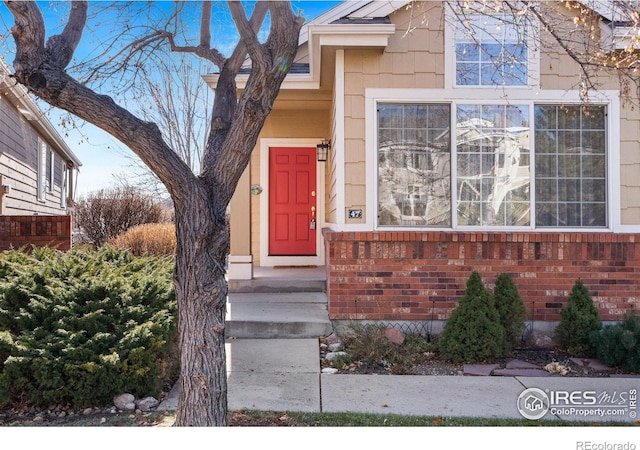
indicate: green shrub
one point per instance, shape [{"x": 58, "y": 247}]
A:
[
  {"x": 510, "y": 309},
  {"x": 579, "y": 324},
  {"x": 619, "y": 345},
  {"x": 80, "y": 327},
  {"x": 473, "y": 332}
]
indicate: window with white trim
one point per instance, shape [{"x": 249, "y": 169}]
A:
[
  {"x": 414, "y": 164},
  {"x": 490, "y": 51},
  {"x": 493, "y": 176},
  {"x": 42, "y": 171},
  {"x": 51, "y": 160},
  {"x": 571, "y": 166},
  {"x": 494, "y": 151},
  {"x": 63, "y": 187}
]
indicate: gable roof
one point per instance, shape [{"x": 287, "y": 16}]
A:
[
  {"x": 31, "y": 112},
  {"x": 354, "y": 12},
  {"x": 366, "y": 23}
]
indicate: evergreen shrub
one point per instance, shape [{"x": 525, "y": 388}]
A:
[
  {"x": 80, "y": 327},
  {"x": 619, "y": 344},
  {"x": 473, "y": 333},
  {"x": 510, "y": 309},
  {"x": 579, "y": 324}
]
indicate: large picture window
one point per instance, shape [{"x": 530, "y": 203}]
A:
[{"x": 491, "y": 183}]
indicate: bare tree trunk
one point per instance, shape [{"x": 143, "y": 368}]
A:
[{"x": 201, "y": 292}]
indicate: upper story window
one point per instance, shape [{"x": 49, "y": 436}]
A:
[
  {"x": 490, "y": 51},
  {"x": 488, "y": 47}
]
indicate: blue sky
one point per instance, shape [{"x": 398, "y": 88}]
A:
[{"x": 102, "y": 156}]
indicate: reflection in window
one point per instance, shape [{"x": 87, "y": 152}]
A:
[
  {"x": 493, "y": 157},
  {"x": 414, "y": 165}
]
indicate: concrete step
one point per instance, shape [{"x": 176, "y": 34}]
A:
[
  {"x": 268, "y": 285},
  {"x": 282, "y": 280},
  {"x": 277, "y": 315}
]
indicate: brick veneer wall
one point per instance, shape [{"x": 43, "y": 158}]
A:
[
  {"x": 422, "y": 275},
  {"x": 18, "y": 231}
]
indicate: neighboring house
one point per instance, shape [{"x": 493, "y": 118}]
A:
[
  {"x": 441, "y": 163},
  {"x": 37, "y": 172}
]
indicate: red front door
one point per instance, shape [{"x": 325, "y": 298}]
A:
[{"x": 292, "y": 201}]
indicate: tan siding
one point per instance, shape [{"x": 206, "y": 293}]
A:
[
  {"x": 413, "y": 59},
  {"x": 630, "y": 166}
]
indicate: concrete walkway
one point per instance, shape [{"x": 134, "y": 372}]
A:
[{"x": 284, "y": 375}]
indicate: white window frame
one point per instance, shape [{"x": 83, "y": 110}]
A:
[
  {"x": 63, "y": 187},
  {"x": 41, "y": 173},
  {"x": 51, "y": 170},
  {"x": 373, "y": 96},
  {"x": 533, "y": 58}
]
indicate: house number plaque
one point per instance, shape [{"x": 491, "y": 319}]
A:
[{"x": 355, "y": 214}]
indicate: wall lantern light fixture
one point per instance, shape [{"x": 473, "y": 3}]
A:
[{"x": 322, "y": 150}]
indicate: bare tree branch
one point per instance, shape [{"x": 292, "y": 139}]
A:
[
  {"x": 240, "y": 52},
  {"x": 60, "y": 48},
  {"x": 248, "y": 37},
  {"x": 225, "y": 101},
  {"x": 582, "y": 64},
  {"x": 210, "y": 54},
  {"x": 29, "y": 27},
  {"x": 266, "y": 78},
  {"x": 205, "y": 25}
]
